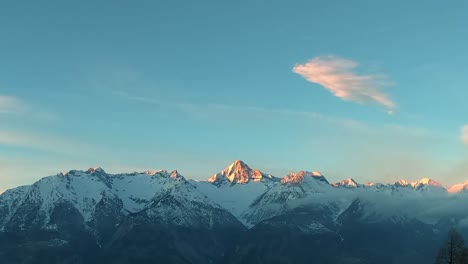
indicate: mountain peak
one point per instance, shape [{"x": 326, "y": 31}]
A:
[
  {"x": 347, "y": 183},
  {"x": 298, "y": 177},
  {"x": 95, "y": 169},
  {"x": 175, "y": 174},
  {"x": 426, "y": 181},
  {"x": 239, "y": 162},
  {"x": 238, "y": 172},
  {"x": 402, "y": 183},
  {"x": 238, "y": 166}
]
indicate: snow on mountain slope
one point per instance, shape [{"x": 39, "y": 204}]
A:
[
  {"x": 237, "y": 198},
  {"x": 302, "y": 176},
  {"x": 428, "y": 186},
  {"x": 250, "y": 195},
  {"x": 300, "y": 184},
  {"x": 402, "y": 182},
  {"x": 179, "y": 202},
  {"x": 236, "y": 187},
  {"x": 278, "y": 199},
  {"x": 136, "y": 190},
  {"x": 9, "y": 201},
  {"x": 85, "y": 190},
  {"x": 396, "y": 189}
]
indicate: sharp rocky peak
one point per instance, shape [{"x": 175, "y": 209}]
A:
[
  {"x": 176, "y": 175},
  {"x": 238, "y": 172}
]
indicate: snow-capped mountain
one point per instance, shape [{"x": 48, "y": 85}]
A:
[
  {"x": 302, "y": 176},
  {"x": 239, "y": 173},
  {"x": 348, "y": 183},
  {"x": 85, "y": 190},
  {"x": 80, "y": 212},
  {"x": 424, "y": 182},
  {"x": 293, "y": 189},
  {"x": 428, "y": 185},
  {"x": 249, "y": 194},
  {"x": 236, "y": 187},
  {"x": 253, "y": 196},
  {"x": 99, "y": 213}
]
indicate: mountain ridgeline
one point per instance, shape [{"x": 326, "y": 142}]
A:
[{"x": 238, "y": 215}]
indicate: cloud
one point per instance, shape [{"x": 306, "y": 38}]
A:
[
  {"x": 10, "y": 104},
  {"x": 227, "y": 111},
  {"x": 336, "y": 75},
  {"x": 49, "y": 143},
  {"x": 25, "y": 110},
  {"x": 464, "y": 134}
]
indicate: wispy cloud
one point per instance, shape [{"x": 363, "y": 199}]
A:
[
  {"x": 49, "y": 143},
  {"x": 138, "y": 98},
  {"x": 10, "y": 104},
  {"x": 464, "y": 134},
  {"x": 216, "y": 108},
  {"x": 338, "y": 76},
  {"x": 216, "y": 111}
]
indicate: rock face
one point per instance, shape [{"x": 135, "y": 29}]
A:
[
  {"x": 239, "y": 215},
  {"x": 239, "y": 173}
]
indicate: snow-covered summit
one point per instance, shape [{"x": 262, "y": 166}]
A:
[
  {"x": 348, "y": 183},
  {"x": 425, "y": 181},
  {"x": 402, "y": 183},
  {"x": 299, "y": 177},
  {"x": 239, "y": 173},
  {"x": 86, "y": 189},
  {"x": 428, "y": 186}
]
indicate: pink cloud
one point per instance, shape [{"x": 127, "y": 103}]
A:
[{"x": 336, "y": 75}]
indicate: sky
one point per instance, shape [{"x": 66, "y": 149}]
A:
[{"x": 373, "y": 90}]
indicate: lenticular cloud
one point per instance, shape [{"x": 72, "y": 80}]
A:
[{"x": 336, "y": 75}]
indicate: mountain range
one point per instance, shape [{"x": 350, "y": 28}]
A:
[{"x": 239, "y": 215}]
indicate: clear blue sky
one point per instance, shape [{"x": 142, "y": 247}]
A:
[{"x": 374, "y": 90}]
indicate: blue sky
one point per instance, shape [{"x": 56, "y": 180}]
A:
[{"x": 373, "y": 90}]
